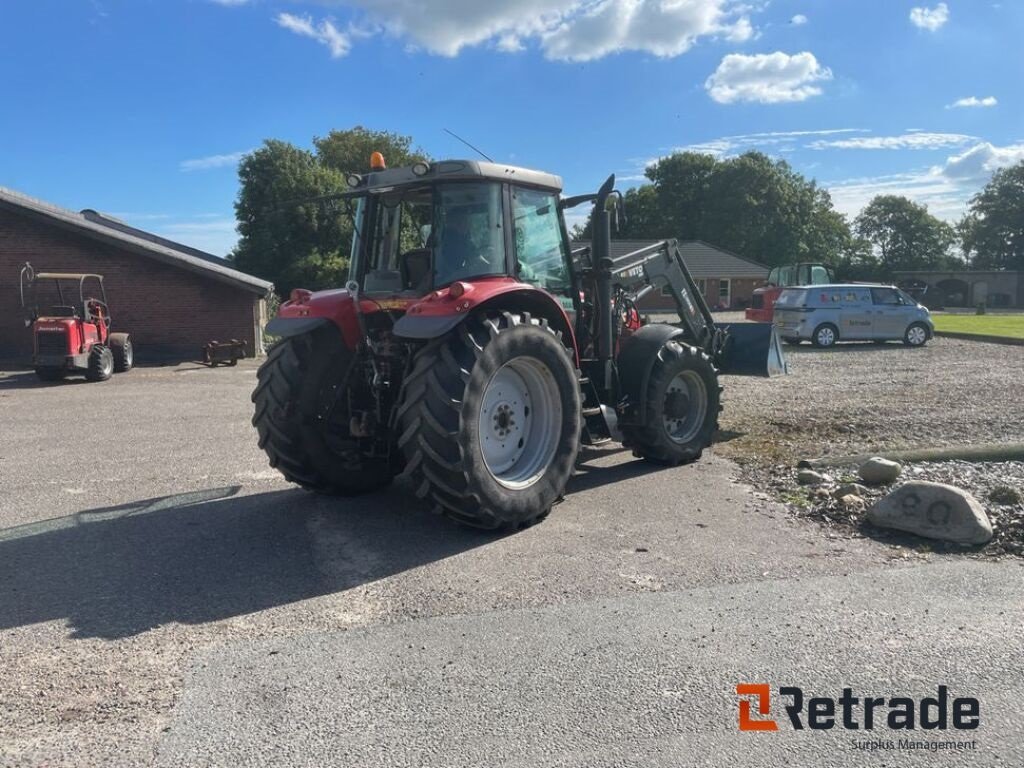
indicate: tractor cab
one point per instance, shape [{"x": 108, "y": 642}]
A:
[
  {"x": 762, "y": 304},
  {"x": 70, "y": 321},
  {"x": 421, "y": 229}
]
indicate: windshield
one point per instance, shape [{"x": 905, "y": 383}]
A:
[{"x": 426, "y": 237}]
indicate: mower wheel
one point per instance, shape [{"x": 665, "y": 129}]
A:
[
  {"x": 683, "y": 403},
  {"x": 490, "y": 421},
  {"x": 48, "y": 373},
  {"x": 302, "y": 417},
  {"x": 101, "y": 363},
  {"x": 124, "y": 355}
]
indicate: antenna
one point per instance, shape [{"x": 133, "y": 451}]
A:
[{"x": 485, "y": 157}]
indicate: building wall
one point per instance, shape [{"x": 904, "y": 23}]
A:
[
  {"x": 741, "y": 291},
  {"x": 969, "y": 288},
  {"x": 170, "y": 312}
]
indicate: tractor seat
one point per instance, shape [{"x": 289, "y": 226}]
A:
[
  {"x": 62, "y": 311},
  {"x": 415, "y": 266}
]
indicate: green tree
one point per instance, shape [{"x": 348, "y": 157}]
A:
[
  {"x": 992, "y": 232},
  {"x": 290, "y": 236},
  {"x": 755, "y": 206},
  {"x": 904, "y": 235},
  {"x": 349, "y": 151}
]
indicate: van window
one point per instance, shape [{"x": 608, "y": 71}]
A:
[
  {"x": 791, "y": 297},
  {"x": 886, "y": 296}
]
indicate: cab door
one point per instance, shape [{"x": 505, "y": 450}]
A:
[
  {"x": 889, "y": 314},
  {"x": 857, "y": 319}
]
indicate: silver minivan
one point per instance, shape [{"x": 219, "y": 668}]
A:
[{"x": 825, "y": 314}]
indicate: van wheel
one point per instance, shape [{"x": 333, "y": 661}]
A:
[
  {"x": 916, "y": 335},
  {"x": 825, "y": 335}
]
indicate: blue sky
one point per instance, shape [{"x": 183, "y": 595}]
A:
[{"x": 140, "y": 108}]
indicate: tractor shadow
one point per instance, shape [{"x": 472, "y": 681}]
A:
[
  {"x": 200, "y": 557},
  {"x": 29, "y": 380}
]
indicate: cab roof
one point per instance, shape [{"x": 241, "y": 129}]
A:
[
  {"x": 65, "y": 276},
  {"x": 458, "y": 170}
]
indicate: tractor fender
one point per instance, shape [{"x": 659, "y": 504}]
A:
[
  {"x": 635, "y": 362},
  {"x": 315, "y": 310},
  {"x": 440, "y": 312}
]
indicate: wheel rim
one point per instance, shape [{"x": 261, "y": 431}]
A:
[
  {"x": 826, "y": 337},
  {"x": 128, "y": 356},
  {"x": 519, "y": 422},
  {"x": 108, "y": 364},
  {"x": 686, "y": 405},
  {"x": 916, "y": 335}
]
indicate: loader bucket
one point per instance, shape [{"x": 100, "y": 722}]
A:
[{"x": 751, "y": 349}]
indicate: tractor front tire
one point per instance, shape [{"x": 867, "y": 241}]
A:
[
  {"x": 49, "y": 373},
  {"x": 683, "y": 403},
  {"x": 124, "y": 355},
  {"x": 100, "y": 366},
  {"x": 299, "y": 383},
  {"x": 490, "y": 421}
]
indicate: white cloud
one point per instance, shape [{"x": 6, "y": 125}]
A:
[
  {"x": 766, "y": 78},
  {"x": 979, "y": 162},
  {"x": 798, "y": 20},
  {"x": 930, "y": 18},
  {"x": 783, "y": 141},
  {"x": 325, "y": 33},
  {"x": 570, "y": 30},
  {"x": 946, "y": 189},
  {"x": 911, "y": 140},
  {"x": 213, "y": 161},
  {"x": 974, "y": 101}
]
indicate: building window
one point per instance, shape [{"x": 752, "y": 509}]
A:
[{"x": 724, "y": 292}]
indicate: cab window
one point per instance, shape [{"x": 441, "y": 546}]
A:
[
  {"x": 885, "y": 296},
  {"x": 466, "y": 234},
  {"x": 540, "y": 249}
]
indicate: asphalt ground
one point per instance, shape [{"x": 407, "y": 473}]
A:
[{"x": 165, "y": 598}]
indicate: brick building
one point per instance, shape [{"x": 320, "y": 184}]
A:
[
  {"x": 726, "y": 280},
  {"x": 173, "y": 299}
]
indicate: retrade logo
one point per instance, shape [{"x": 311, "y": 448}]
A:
[
  {"x": 762, "y": 696},
  {"x": 849, "y": 712}
]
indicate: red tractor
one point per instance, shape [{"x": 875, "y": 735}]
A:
[
  {"x": 73, "y": 335},
  {"x": 472, "y": 350},
  {"x": 762, "y": 304}
]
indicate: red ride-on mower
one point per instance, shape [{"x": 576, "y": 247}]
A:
[{"x": 69, "y": 336}]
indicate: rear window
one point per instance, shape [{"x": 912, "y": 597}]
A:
[{"x": 791, "y": 297}]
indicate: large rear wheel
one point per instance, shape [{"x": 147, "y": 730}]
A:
[
  {"x": 302, "y": 417},
  {"x": 490, "y": 421},
  {"x": 124, "y": 354},
  {"x": 683, "y": 402}
]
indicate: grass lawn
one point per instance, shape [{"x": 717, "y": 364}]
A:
[{"x": 987, "y": 325}]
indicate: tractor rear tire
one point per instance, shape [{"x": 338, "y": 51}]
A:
[
  {"x": 100, "y": 366},
  {"x": 49, "y": 373},
  {"x": 683, "y": 403},
  {"x": 296, "y": 386},
  {"x": 124, "y": 355},
  {"x": 490, "y": 421}
]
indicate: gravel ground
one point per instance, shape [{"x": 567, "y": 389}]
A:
[{"x": 866, "y": 398}]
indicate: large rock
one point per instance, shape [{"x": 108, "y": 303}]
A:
[
  {"x": 810, "y": 477},
  {"x": 934, "y": 510},
  {"x": 879, "y": 471}
]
